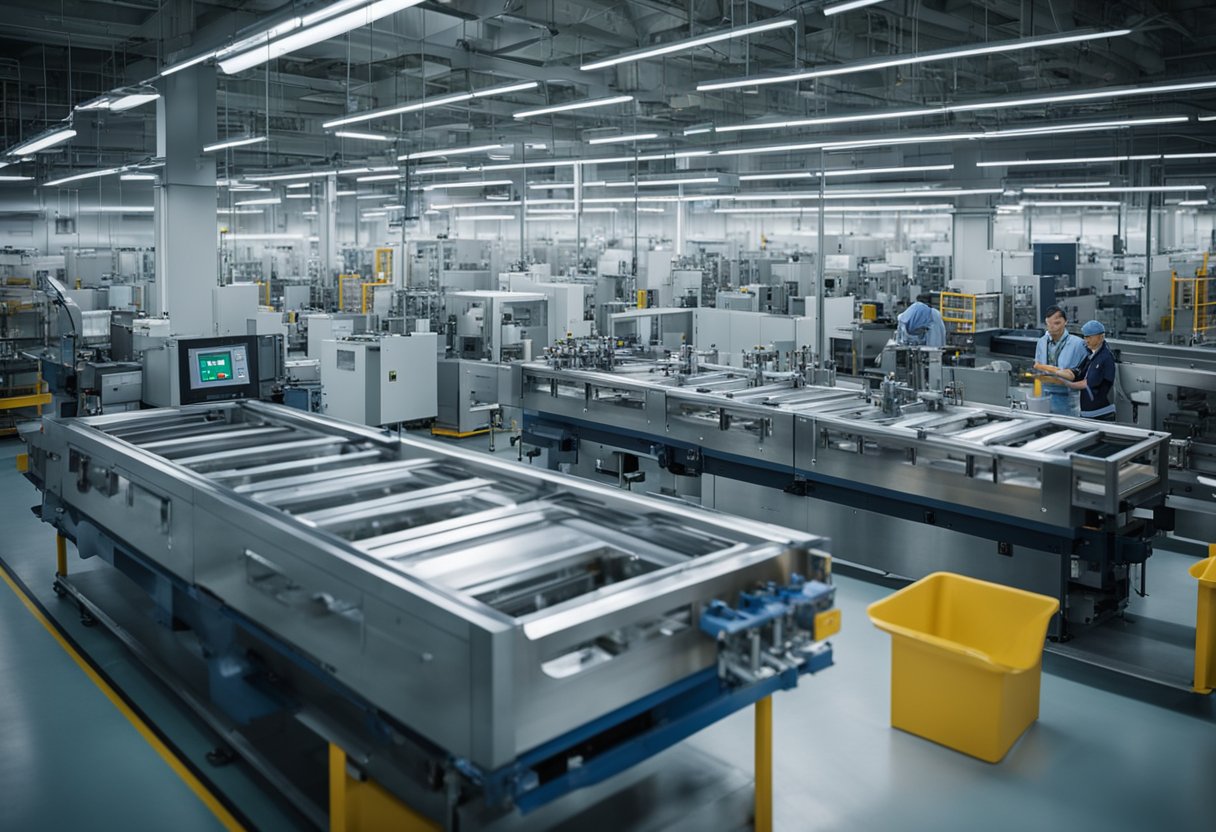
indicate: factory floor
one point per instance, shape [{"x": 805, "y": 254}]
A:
[{"x": 1107, "y": 753}]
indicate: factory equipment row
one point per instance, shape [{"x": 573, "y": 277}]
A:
[
  {"x": 905, "y": 481},
  {"x": 479, "y": 637}
]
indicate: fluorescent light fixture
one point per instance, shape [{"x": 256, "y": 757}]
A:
[
  {"x": 138, "y": 177},
  {"x": 428, "y": 103},
  {"x": 642, "y": 209},
  {"x": 836, "y": 209},
  {"x": 227, "y": 143},
  {"x": 397, "y": 207},
  {"x": 186, "y": 64},
  {"x": 439, "y": 170},
  {"x": 600, "y": 210},
  {"x": 132, "y": 100},
  {"x": 299, "y": 196},
  {"x": 574, "y": 105},
  {"x": 997, "y": 104},
  {"x": 658, "y": 183},
  {"x": 690, "y": 43},
  {"x": 485, "y": 217},
  {"x": 1075, "y": 160},
  {"x": 374, "y": 196},
  {"x": 1190, "y": 156},
  {"x": 11, "y": 178},
  {"x": 331, "y": 10},
  {"x": 269, "y": 200},
  {"x": 696, "y": 129},
  {"x": 757, "y": 177},
  {"x": 488, "y": 183},
  {"x": 295, "y": 185},
  {"x": 430, "y": 212},
  {"x": 239, "y": 211},
  {"x": 255, "y": 236},
  {"x": 371, "y": 215},
  {"x": 378, "y": 177},
  {"x": 848, "y": 6},
  {"x": 365, "y": 169},
  {"x": 550, "y": 210},
  {"x": 76, "y": 177},
  {"x": 482, "y": 204},
  {"x": 43, "y": 141},
  {"x": 367, "y": 137},
  {"x": 311, "y": 213},
  {"x": 1206, "y": 118},
  {"x": 919, "y": 58},
  {"x": 323, "y": 28},
  {"x": 900, "y": 193},
  {"x": 1191, "y": 203},
  {"x": 450, "y": 151},
  {"x": 564, "y": 217},
  {"x": 632, "y": 137},
  {"x": 344, "y": 193},
  {"x": 116, "y": 209},
  {"x": 1069, "y": 203},
  {"x": 1115, "y": 189}
]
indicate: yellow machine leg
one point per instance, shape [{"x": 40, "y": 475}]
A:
[
  {"x": 363, "y": 806},
  {"x": 61, "y": 556},
  {"x": 764, "y": 765}
]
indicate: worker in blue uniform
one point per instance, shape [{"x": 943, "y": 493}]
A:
[
  {"x": 1059, "y": 348},
  {"x": 920, "y": 325},
  {"x": 1095, "y": 375}
]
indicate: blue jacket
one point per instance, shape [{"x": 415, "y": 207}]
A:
[
  {"x": 1069, "y": 352},
  {"x": 1098, "y": 370},
  {"x": 921, "y": 326}
]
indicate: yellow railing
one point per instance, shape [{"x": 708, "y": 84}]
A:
[
  {"x": 1196, "y": 295},
  {"x": 959, "y": 309},
  {"x": 365, "y": 287}
]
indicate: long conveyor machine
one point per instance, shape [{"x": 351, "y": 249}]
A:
[
  {"x": 902, "y": 482},
  {"x": 464, "y": 627}
]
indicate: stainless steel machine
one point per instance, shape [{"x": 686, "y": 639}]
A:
[
  {"x": 903, "y": 481},
  {"x": 477, "y": 635}
]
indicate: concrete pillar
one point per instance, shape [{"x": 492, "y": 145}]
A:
[
  {"x": 971, "y": 231},
  {"x": 327, "y": 234},
  {"x": 187, "y": 266}
]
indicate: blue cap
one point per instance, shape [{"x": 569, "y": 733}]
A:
[{"x": 1093, "y": 328}]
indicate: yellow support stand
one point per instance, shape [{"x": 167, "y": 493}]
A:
[
  {"x": 61, "y": 556},
  {"x": 1205, "y": 623},
  {"x": 363, "y": 806},
  {"x": 764, "y": 765}
]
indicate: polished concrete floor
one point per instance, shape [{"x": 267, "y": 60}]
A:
[{"x": 1107, "y": 752}]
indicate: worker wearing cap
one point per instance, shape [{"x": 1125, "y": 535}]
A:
[
  {"x": 1094, "y": 376},
  {"x": 1059, "y": 348}
]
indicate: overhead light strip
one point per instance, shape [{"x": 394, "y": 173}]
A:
[
  {"x": 996, "y": 104},
  {"x": 429, "y": 103},
  {"x": 244, "y": 141},
  {"x": 848, "y": 6},
  {"x": 921, "y": 58},
  {"x": 43, "y": 141},
  {"x": 322, "y": 29},
  {"x": 574, "y": 105},
  {"x": 448, "y": 151},
  {"x": 690, "y": 43},
  {"x": 804, "y": 174},
  {"x": 633, "y": 137}
]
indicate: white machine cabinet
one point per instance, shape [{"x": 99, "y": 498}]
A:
[{"x": 380, "y": 380}]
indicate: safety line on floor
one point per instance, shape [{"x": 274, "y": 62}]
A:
[{"x": 183, "y": 768}]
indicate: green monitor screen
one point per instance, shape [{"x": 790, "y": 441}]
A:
[{"x": 215, "y": 366}]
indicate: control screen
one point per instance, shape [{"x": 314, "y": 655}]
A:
[
  {"x": 218, "y": 369},
  {"x": 215, "y": 366}
]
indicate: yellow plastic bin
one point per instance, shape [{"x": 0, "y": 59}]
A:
[
  {"x": 966, "y": 661},
  {"x": 1205, "y": 623}
]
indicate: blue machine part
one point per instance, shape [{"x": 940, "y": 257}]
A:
[{"x": 801, "y": 598}]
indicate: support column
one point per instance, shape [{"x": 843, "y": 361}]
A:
[
  {"x": 187, "y": 264},
  {"x": 327, "y": 235},
  {"x": 971, "y": 230}
]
